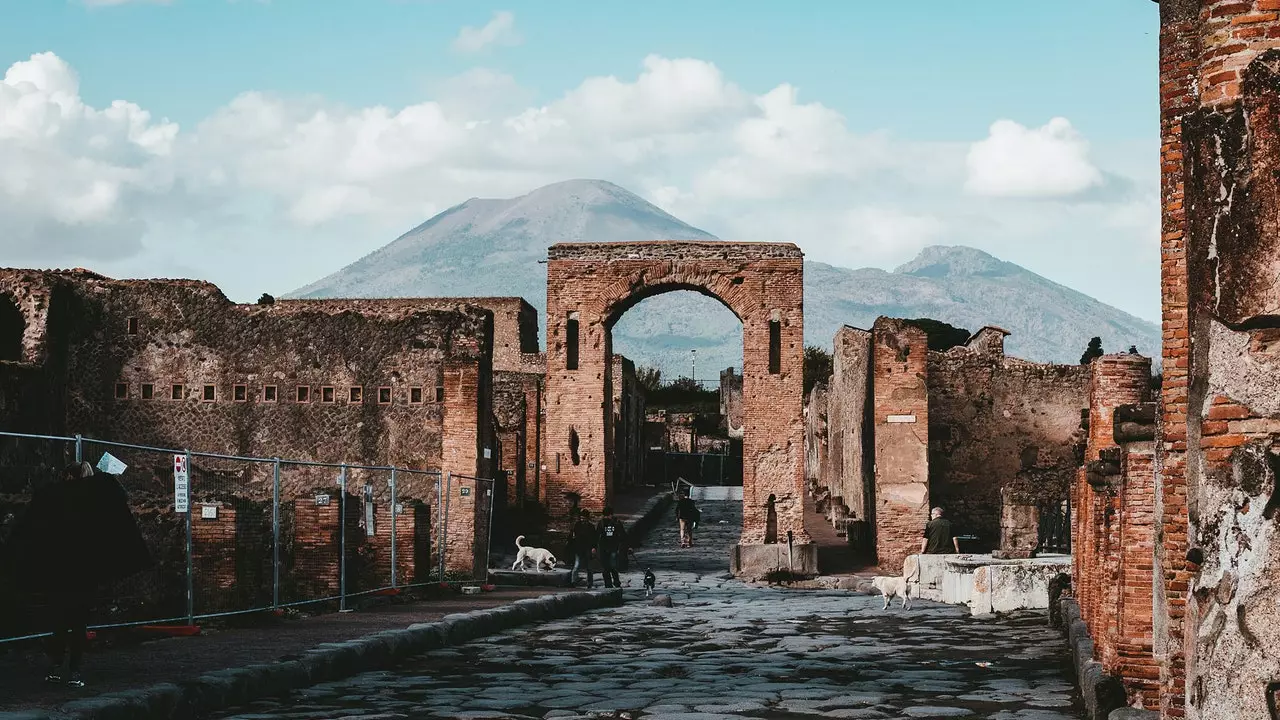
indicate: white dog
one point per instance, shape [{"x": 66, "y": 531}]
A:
[
  {"x": 892, "y": 587},
  {"x": 539, "y": 557}
]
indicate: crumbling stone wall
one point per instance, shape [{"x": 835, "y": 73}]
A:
[
  {"x": 627, "y": 414},
  {"x": 1002, "y": 433},
  {"x": 731, "y": 402},
  {"x": 848, "y": 472},
  {"x": 901, "y": 401},
  {"x": 589, "y": 286},
  {"x": 1216, "y": 625},
  {"x": 175, "y": 364}
]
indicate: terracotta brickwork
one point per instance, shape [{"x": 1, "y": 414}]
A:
[
  {"x": 731, "y": 402},
  {"x": 626, "y": 423},
  {"x": 589, "y": 286},
  {"x": 1114, "y": 524},
  {"x": 901, "y": 402},
  {"x": 1216, "y": 630}
]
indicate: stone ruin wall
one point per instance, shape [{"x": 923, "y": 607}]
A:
[
  {"x": 985, "y": 436},
  {"x": 1003, "y": 432},
  {"x": 1217, "y": 627},
  {"x": 91, "y": 344},
  {"x": 627, "y": 409}
]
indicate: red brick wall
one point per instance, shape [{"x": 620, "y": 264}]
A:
[
  {"x": 1219, "y": 109},
  {"x": 213, "y": 559},
  {"x": 759, "y": 282},
  {"x": 900, "y": 388},
  {"x": 1132, "y": 657}
]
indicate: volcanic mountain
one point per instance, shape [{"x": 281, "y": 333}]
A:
[{"x": 493, "y": 247}]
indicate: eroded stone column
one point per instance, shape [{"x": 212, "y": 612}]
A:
[{"x": 901, "y": 400}]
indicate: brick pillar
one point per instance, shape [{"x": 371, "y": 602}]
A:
[
  {"x": 317, "y": 545},
  {"x": 901, "y": 401},
  {"x": 1116, "y": 380},
  {"x": 1132, "y": 659},
  {"x": 463, "y": 458},
  {"x": 213, "y": 558},
  {"x": 1179, "y": 51}
]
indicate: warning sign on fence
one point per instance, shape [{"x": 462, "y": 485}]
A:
[{"x": 181, "y": 486}]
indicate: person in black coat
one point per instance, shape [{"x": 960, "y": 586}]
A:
[
  {"x": 581, "y": 542},
  {"x": 76, "y": 536}
]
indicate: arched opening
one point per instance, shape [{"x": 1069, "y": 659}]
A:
[
  {"x": 12, "y": 328},
  {"x": 668, "y": 417}
]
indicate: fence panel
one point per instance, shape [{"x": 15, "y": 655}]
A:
[{"x": 247, "y": 534}]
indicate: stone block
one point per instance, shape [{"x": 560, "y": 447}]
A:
[{"x": 759, "y": 562}]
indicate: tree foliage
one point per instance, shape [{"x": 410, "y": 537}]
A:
[
  {"x": 650, "y": 378},
  {"x": 1093, "y": 352},
  {"x": 817, "y": 367},
  {"x": 266, "y": 299}
]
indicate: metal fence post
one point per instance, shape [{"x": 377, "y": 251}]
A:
[
  {"x": 191, "y": 584},
  {"x": 488, "y": 546},
  {"x": 394, "y": 511},
  {"x": 440, "y": 524},
  {"x": 275, "y": 535},
  {"x": 342, "y": 540},
  {"x": 79, "y": 448},
  {"x": 444, "y": 520}
]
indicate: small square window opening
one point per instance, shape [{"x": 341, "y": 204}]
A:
[
  {"x": 122, "y": 391},
  {"x": 176, "y": 392},
  {"x": 133, "y": 326},
  {"x": 357, "y": 394},
  {"x": 439, "y": 394},
  {"x": 304, "y": 393},
  {"x": 210, "y": 393},
  {"x": 327, "y": 395},
  {"x": 415, "y": 396},
  {"x": 384, "y": 396},
  {"x": 269, "y": 393},
  {"x": 241, "y": 393},
  {"x": 148, "y": 391}
]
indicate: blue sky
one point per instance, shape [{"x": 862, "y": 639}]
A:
[{"x": 918, "y": 76}]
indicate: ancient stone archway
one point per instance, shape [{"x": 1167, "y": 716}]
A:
[
  {"x": 589, "y": 286},
  {"x": 12, "y": 328}
]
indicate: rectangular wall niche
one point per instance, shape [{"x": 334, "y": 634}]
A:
[
  {"x": 571, "y": 342},
  {"x": 775, "y": 347}
]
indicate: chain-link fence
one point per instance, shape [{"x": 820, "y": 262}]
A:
[{"x": 232, "y": 535}]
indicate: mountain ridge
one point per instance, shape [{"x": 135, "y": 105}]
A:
[{"x": 492, "y": 246}]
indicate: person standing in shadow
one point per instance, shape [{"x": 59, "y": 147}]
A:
[{"x": 76, "y": 536}]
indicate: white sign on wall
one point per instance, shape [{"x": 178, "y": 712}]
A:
[
  {"x": 181, "y": 486},
  {"x": 209, "y": 512},
  {"x": 901, "y": 418},
  {"x": 111, "y": 465},
  {"x": 487, "y": 453}
]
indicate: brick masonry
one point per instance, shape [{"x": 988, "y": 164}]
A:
[
  {"x": 760, "y": 282},
  {"x": 1216, "y": 629}
]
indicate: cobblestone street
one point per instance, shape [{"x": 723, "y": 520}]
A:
[{"x": 724, "y": 650}]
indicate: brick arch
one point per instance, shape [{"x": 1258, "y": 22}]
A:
[
  {"x": 591, "y": 285},
  {"x": 12, "y": 329}
]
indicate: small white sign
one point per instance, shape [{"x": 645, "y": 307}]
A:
[
  {"x": 181, "y": 486},
  {"x": 209, "y": 512},
  {"x": 399, "y": 509},
  {"x": 322, "y": 500},
  {"x": 487, "y": 453},
  {"x": 901, "y": 418},
  {"x": 111, "y": 465},
  {"x": 466, "y": 491}
]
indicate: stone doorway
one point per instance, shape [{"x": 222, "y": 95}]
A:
[{"x": 591, "y": 285}]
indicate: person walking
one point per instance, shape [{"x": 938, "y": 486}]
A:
[
  {"x": 582, "y": 540},
  {"x": 688, "y": 515},
  {"x": 76, "y": 535},
  {"x": 611, "y": 543},
  {"x": 938, "y": 535}
]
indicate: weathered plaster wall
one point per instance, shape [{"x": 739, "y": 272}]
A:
[
  {"x": 901, "y": 401},
  {"x": 849, "y": 456}
]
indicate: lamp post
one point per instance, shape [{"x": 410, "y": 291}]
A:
[{"x": 695, "y": 364}]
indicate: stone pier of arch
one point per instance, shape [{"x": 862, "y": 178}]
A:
[{"x": 591, "y": 285}]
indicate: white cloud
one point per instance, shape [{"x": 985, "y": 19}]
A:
[
  {"x": 1016, "y": 161},
  {"x": 302, "y": 185},
  {"x": 501, "y": 30}
]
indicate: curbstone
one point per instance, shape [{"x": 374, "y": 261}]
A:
[
  {"x": 1129, "y": 713},
  {"x": 325, "y": 662}
]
